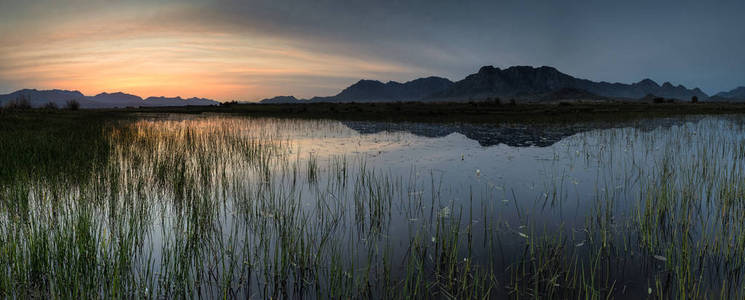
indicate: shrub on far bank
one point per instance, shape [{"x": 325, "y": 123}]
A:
[
  {"x": 663, "y": 100},
  {"x": 694, "y": 99},
  {"x": 72, "y": 105},
  {"x": 20, "y": 103},
  {"x": 50, "y": 106}
]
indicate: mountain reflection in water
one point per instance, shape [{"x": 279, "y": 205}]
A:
[{"x": 514, "y": 135}]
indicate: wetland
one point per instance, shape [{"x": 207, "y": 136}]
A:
[{"x": 165, "y": 205}]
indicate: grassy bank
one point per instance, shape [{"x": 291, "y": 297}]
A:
[{"x": 469, "y": 112}]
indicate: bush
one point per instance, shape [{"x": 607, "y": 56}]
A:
[
  {"x": 513, "y": 102},
  {"x": 50, "y": 106},
  {"x": 22, "y": 102},
  {"x": 659, "y": 100},
  {"x": 497, "y": 101},
  {"x": 694, "y": 99},
  {"x": 72, "y": 105}
]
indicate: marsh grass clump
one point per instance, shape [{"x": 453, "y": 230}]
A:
[
  {"x": 55, "y": 148},
  {"x": 312, "y": 168}
]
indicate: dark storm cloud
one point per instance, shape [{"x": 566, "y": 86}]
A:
[{"x": 696, "y": 43}]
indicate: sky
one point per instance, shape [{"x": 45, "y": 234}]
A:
[{"x": 249, "y": 50}]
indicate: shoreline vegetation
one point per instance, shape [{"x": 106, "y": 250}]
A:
[{"x": 479, "y": 112}]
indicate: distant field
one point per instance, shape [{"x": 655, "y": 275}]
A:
[
  {"x": 469, "y": 112},
  {"x": 460, "y": 112}
]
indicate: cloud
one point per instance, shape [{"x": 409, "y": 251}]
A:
[
  {"x": 255, "y": 49},
  {"x": 173, "y": 56}
]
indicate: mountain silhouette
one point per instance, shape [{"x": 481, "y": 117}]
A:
[
  {"x": 523, "y": 83},
  {"x": 281, "y": 100},
  {"x": 178, "y": 101},
  {"x": 529, "y": 83},
  {"x": 376, "y": 91},
  {"x": 117, "y": 99},
  {"x": 38, "y": 98}
]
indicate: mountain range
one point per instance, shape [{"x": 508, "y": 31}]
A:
[
  {"x": 373, "y": 90},
  {"x": 528, "y": 83},
  {"x": 39, "y": 98},
  {"x": 737, "y": 94},
  {"x": 376, "y": 91},
  {"x": 522, "y": 83}
]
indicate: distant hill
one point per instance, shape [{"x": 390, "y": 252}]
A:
[
  {"x": 737, "y": 94},
  {"x": 282, "y": 100},
  {"x": 391, "y": 91},
  {"x": 178, "y": 101},
  {"x": 528, "y": 83},
  {"x": 522, "y": 83},
  {"x": 39, "y": 98},
  {"x": 118, "y": 99},
  {"x": 376, "y": 91}
]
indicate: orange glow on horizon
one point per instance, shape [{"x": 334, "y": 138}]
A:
[{"x": 165, "y": 60}]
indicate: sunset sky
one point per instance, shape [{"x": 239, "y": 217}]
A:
[{"x": 248, "y": 50}]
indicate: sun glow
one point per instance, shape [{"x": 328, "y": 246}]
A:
[{"x": 165, "y": 59}]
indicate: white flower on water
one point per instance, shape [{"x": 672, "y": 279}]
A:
[{"x": 445, "y": 212}]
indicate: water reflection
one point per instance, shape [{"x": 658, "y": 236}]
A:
[{"x": 514, "y": 135}]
